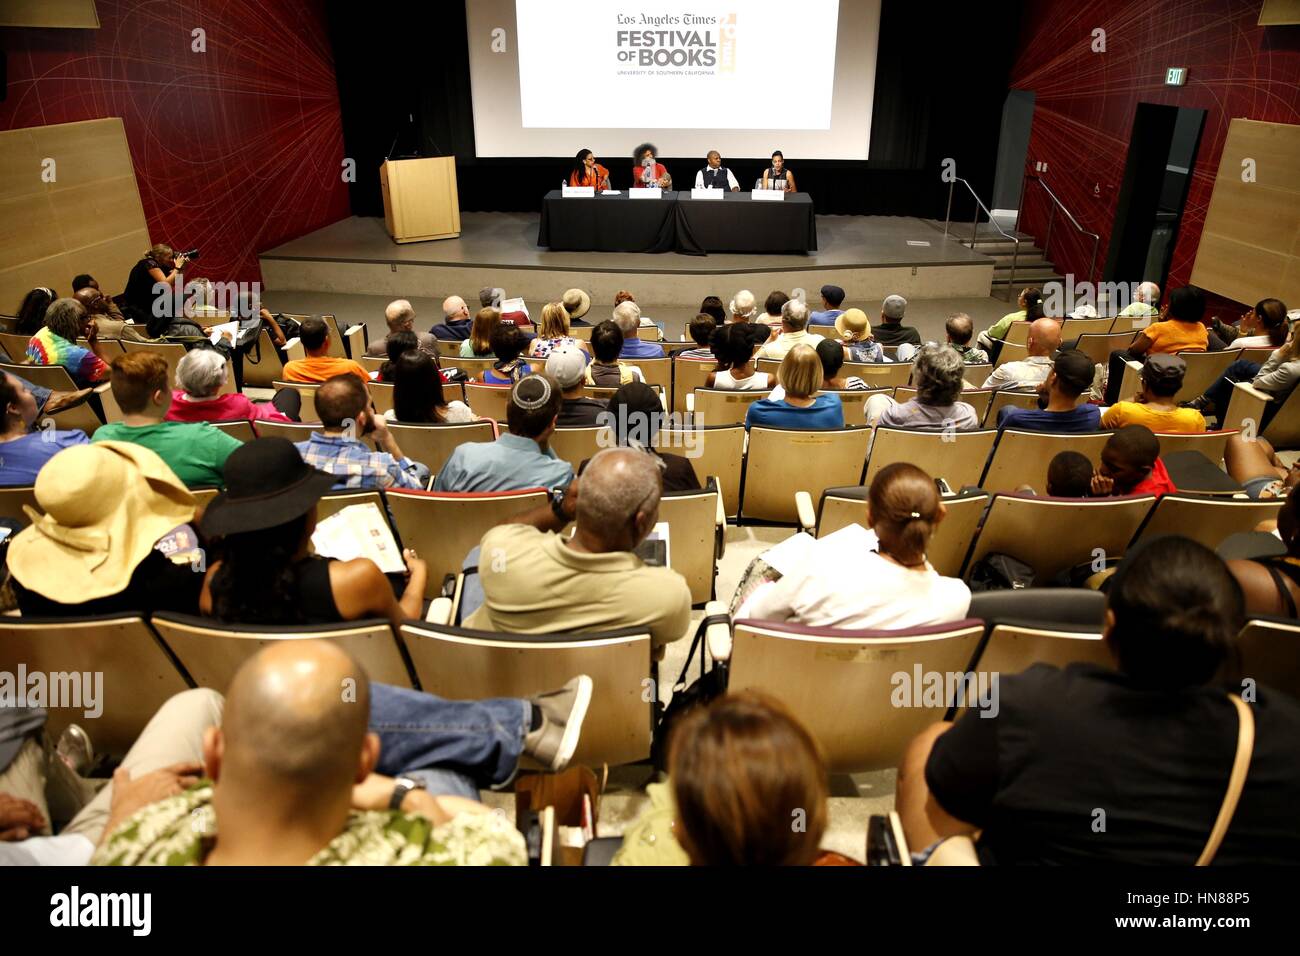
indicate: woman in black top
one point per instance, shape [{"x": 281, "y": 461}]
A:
[
  {"x": 264, "y": 573},
  {"x": 160, "y": 265},
  {"x": 31, "y": 314},
  {"x": 777, "y": 176}
]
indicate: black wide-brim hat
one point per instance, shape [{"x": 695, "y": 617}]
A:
[{"x": 267, "y": 484}]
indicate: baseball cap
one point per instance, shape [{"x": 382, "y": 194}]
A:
[
  {"x": 1164, "y": 369},
  {"x": 566, "y": 366},
  {"x": 893, "y": 306},
  {"x": 1074, "y": 370},
  {"x": 833, "y": 294}
]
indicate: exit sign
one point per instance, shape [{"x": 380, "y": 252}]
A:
[{"x": 1176, "y": 76}]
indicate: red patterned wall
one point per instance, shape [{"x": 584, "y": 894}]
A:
[
  {"x": 236, "y": 149},
  {"x": 1086, "y": 101}
]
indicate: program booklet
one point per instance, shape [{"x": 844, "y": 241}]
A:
[{"x": 359, "y": 531}]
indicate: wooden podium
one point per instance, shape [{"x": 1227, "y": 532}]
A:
[{"x": 420, "y": 199}]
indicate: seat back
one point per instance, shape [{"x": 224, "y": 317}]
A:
[
  {"x": 433, "y": 444},
  {"x": 782, "y": 461},
  {"x": 381, "y": 396},
  {"x": 879, "y": 374},
  {"x": 1017, "y": 333},
  {"x": 1071, "y": 329},
  {"x": 1021, "y": 458},
  {"x": 1053, "y": 534},
  {"x": 658, "y": 373},
  {"x": 692, "y": 538},
  {"x": 1012, "y": 647},
  {"x": 957, "y": 457},
  {"x": 688, "y": 375},
  {"x": 1254, "y": 355},
  {"x": 976, "y": 398},
  {"x": 472, "y": 367},
  {"x": 1205, "y": 518},
  {"x": 447, "y": 349},
  {"x": 1202, "y": 369},
  {"x": 13, "y": 498},
  {"x": 80, "y": 416},
  {"x": 1269, "y": 650},
  {"x": 139, "y": 674},
  {"x": 1011, "y": 352},
  {"x": 720, "y": 406},
  {"x": 858, "y": 692},
  {"x": 241, "y": 429},
  {"x": 715, "y": 450},
  {"x": 488, "y": 401},
  {"x": 854, "y": 402},
  {"x": 54, "y": 377},
  {"x": 268, "y": 368},
  {"x": 576, "y": 445},
  {"x": 372, "y": 363},
  {"x": 15, "y": 346},
  {"x": 308, "y": 394},
  {"x": 171, "y": 352},
  {"x": 1004, "y": 398},
  {"x": 336, "y": 501},
  {"x": 443, "y": 526},
  {"x": 1210, "y": 444},
  {"x": 1098, "y": 346},
  {"x": 213, "y": 652},
  {"x": 1283, "y": 430},
  {"x": 948, "y": 545},
  {"x": 294, "y": 431},
  {"x": 462, "y": 664}
]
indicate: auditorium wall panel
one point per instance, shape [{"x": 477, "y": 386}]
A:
[
  {"x": 236, "y": 149},
  {"x": 1086, "y": 101}
]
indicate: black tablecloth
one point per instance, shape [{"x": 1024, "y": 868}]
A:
[
  {"x": 677, "y": 223},
  {"x": 608, "y": 224},
  {"x": 739, "y": 224}
]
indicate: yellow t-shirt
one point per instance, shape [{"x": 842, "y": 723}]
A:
[
  {"x": 1178, "y": 420},
  {"x": 1173, "y": 336}
]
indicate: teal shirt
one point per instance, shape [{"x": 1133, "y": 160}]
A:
[
  {"x": 507, "y": 464},
  {"x": 196, "y": 451}
]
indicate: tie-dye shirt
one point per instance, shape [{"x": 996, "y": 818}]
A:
[{"x": 85, "y": 367}]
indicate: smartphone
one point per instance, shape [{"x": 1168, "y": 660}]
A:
[{"x": 945, "y": 490}]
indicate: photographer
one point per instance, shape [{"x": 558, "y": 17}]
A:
[{"x": 153, "y": 278}]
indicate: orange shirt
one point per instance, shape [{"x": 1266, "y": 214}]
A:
[
  {"x": 318, "y": 369},
  {"x": 599, "y": 179},
  {"x": 1173, "y": 336}
]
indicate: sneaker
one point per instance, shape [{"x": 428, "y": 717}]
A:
[
  {"x": 75, "y": 750},
  {"x": 553, "y": 743}
]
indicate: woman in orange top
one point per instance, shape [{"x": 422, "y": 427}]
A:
[
  {"x": 1179, "y": 329},
  {"x": 588, "y": 172}
]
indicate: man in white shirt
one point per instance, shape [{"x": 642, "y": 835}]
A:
[
  {"x": 1043, "y": 341},
  {"x": 715, "y": 175},
  {"x": 794, "y": 331}
]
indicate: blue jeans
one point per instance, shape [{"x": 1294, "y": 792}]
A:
[
  {"x": 1220, "y": 392},
  {"x": 454, "y": 746}
]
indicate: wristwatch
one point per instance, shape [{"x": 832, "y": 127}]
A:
[
  {"x": 401, "y": 787},
  {"x": 557, "y": 505}
]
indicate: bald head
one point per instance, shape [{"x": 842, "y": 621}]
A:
[
  {"x": 400, "y": 316},
  {"x": 91, "y": 299},
  {"x": 295, "y": 720},
  {"x": 1044, "y": 337},
  {"x": 454, "y": 307},
  {"x": 618, "y": 497},
  {"x": 1149, "y": 293}
]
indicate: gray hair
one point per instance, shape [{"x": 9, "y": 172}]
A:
[
  {"x": 398, "y": 313},
  {"x": 201, "y": 372},
  {"x": 616, "y": 484},
  {"x": 64, "y": 317},
  {"x": 491, "y": 296},
  {"x": 1148, "y": 292},
  {"x": 938, "y": 375},
  {"x": 795, "y": 314},
  {"x": 627, "y": 316},
  {"x": 743, "y": 304}
]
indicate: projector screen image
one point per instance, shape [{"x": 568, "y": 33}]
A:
[{"x": 744, "y": 77}]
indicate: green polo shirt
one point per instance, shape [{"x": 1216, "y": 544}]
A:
[{"x": 196, "y": 451}]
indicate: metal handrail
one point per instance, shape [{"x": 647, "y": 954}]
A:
[
  {"x": 974, "y": 228},
  {"x": 1051, "y": 217}
]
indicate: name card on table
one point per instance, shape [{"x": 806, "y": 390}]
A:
[
  {"x": 578, "y": 192},
  {"x": 645, "y": 192},
  {"x": 709, "y": 193},
  {"x": 768, "y": 195}
]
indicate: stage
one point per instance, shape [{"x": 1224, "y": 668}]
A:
[{"x": 869, "y": 256}]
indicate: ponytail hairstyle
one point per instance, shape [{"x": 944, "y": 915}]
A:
[
  {"x": 1033, "y": 303},
  {"x": 1272, "y": 316},
  {"x": 904, "y": 506},
  {"x": 255, "y": 583}
]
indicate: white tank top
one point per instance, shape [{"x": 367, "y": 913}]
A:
[{"x": 755, "y": 382}]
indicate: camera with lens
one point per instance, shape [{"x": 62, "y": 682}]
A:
[{"x": 190, "y": 254}]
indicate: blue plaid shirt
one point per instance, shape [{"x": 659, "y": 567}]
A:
[{"x": 356, "y": 465}]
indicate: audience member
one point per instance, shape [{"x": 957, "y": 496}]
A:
[
  {"x": 319, "y": 365},
  {"x": 1044, "y": 338},
  {"x": 1131, "y": 465},
  {"x": 1030, "y": 303},
  {"x": 856, "y": 338},
  {"x": 195, "y": 451},
  {"x": 479, "y": 342},
  {"x": 24, "y": 452},
  {"x": 1254, "y": 464},
  {"x": 712, "y": 306},
  {"x": 831, "y": 354},
  {"x": 741, "y": 770},
  {"x": 635, "y": 416},
  {"x": 872, "y": 579},
  {"x": 31, "y": 312},
  {"x": 605, "y": 370},
  {"x": 494, "y": 297},
  {"x": 567, "y": 366},
  {"x": 541, "y": 583},
  {"x": 772, "y": 307},
  {"x": 627, "y": 316},
  {"x": 110, "y": 515},
  {"x": 201, "y": 376},
  {"x": 1264, "y": 327},
  {"x": 960, "y": 329},
  {"x": 455, "y": 325},
  {"x": 701, "y": 329},
  {"x": 1155, "y": 406},
  {"x": 1275, "y": 378},
  {"x": 800, "y": 375},
  {"x": 418, "y": 397},
  {"x": 347, "y": 416},
  {"x": 1271, "y": 584},
  {"x": 520, "y": 458},
  {"x": 55, "y": 343},
  {"x": 1181, "y": 330},
  {"x": 1058, "y": 408},
  {"x": 744, "y": 311},
  {"x": 399, "y": 343},
  {"x": 892, "y": 331},
  {"x": 577, "y": 303},
  {"x": 508, "y": 344},
  {"x": 734, "y": 351},
  {"x": 938, "y": 377},
  {"x": 400, "y": 317},
  {"x": 832, "y": 299},
  {"x": 553, "y": 332},
  {"x": 1151, "y": 741},
  {"x": 1069, "y": 475},
  {"x": 109, "y": 321},
  {"x": 794, "y": 331},
  {"x": 1146, "y": 302}
]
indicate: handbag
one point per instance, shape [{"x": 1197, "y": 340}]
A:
[
  {"x": 710, "y": 685},
  {"x": 1000, "y": 572}
]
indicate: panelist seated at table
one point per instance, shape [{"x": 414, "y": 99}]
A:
[
  {"x": 715, "y": 175},
  {"x": 777, "y": 176},
  {"x": 588, "y": 172},
  {"x": 647, "y": 170}
]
